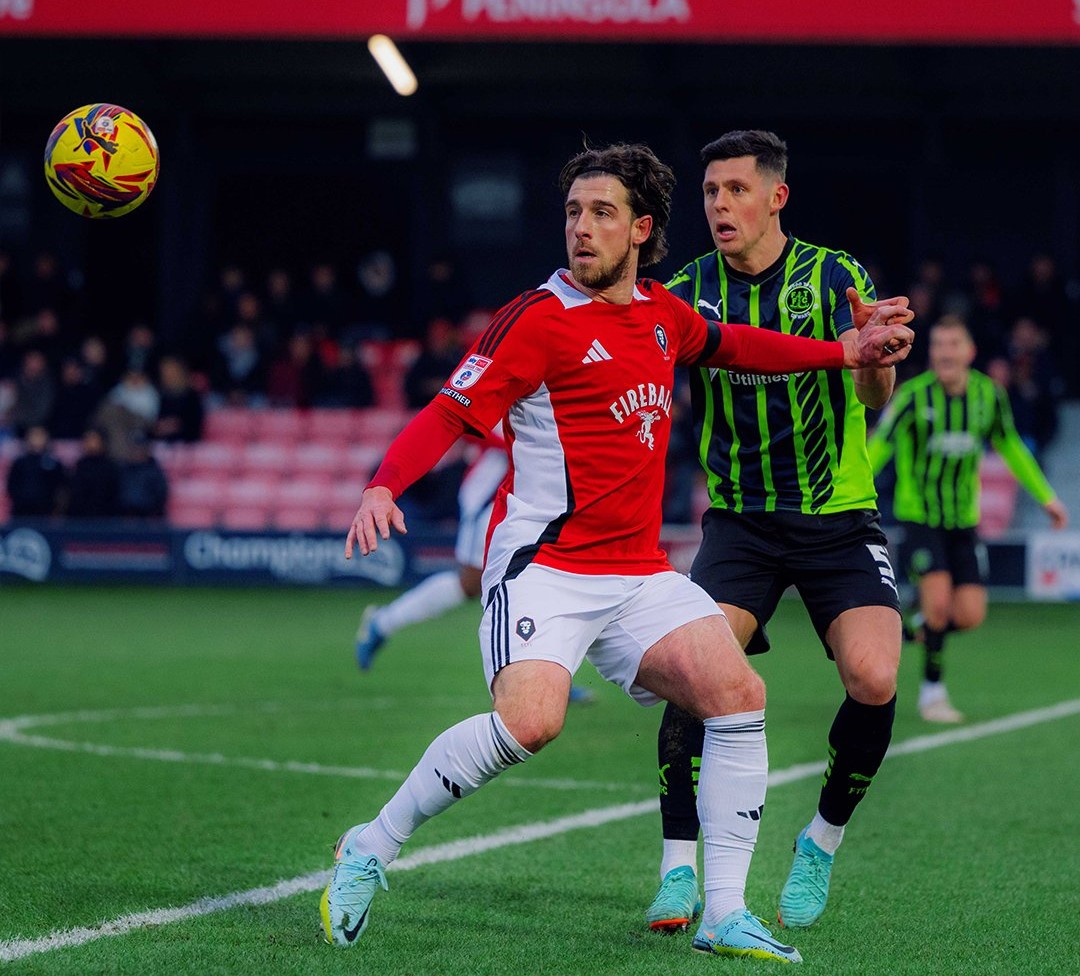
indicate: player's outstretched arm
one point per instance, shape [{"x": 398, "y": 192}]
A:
[
  {"x": 1059, "y": 514},
  {"x": 763, "y": 351},
  {"x": 373, "y": 520}
]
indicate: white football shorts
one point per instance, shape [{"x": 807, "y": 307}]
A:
[{"x": 549, "y": 615}]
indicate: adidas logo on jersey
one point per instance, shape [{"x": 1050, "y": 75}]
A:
[{"x": 597, "y": 353}]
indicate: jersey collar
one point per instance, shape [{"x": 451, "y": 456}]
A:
[{"x": 761, "y": 275}]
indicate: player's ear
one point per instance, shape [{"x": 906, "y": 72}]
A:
[
  {"x": 641, "y": 229},
  {"x": 779, "y": 198}
]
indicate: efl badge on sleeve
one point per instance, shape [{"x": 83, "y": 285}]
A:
[{"x": 469, "y": 372}]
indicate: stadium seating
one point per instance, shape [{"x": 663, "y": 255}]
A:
[
  {"x": 214, "y": 457},
  {"x": 280, "y": 426},
  {"x": 252, "y": 518},
  {"x": 266, "y": 457},
  {"x": 324, "y": 460},
  {"x": 287, "y": 469},
  {"x": 185, "y": 516},
  {"x": 228, "y": 425}
]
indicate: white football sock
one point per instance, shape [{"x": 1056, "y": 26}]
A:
[
  {"x": 455, "y": 765},
  {"x": 731, "y": 797},
  {"x": 827, "y": 836},
  {"x": 931, "y": 691},
  {"x": 428, "y": 599},
  {"x": 677, "y": 854}
]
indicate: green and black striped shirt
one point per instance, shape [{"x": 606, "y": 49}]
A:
[
  {"x": 938, "y": 441},
  {"x": 782, "y": 442}
]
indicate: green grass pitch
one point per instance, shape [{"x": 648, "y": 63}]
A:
[{"x": 159, "y": 748}]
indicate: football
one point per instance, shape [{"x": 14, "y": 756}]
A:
[{"x": 101, "y": 160}]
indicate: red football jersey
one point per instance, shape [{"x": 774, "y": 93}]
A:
[{"x": 584, "y": 389}]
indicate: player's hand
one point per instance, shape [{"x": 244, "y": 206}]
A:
[
  {"x": 879, "y": 342},
  {"x": 861, "y": 311},
  {"x": 372, "y": 521},
  {"x": 1059, "y": 514}
]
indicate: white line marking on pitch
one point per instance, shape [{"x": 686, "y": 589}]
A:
[
  {"x": 454, "y": 850},
  {"x": 13, "y": 730}
]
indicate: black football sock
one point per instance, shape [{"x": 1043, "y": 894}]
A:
[
  {"x": 858, "y": 741},
  {"x": 679, "y": 746},
  {"x": 935, "y": 651}
]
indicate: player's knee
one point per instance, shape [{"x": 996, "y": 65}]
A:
[
  {"x": 875, "y": 685},
  {"x": 534, "y": 731},
  {"x": 968, "y": 619},
  {"x": 470, "y": 577},
  {"x": 936, "y": 614},
  {"x": 745, "y": 692}
]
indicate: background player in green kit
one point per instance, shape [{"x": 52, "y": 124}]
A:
[
  {"x": 792, "y": 503},
  {"x": 937, "y": 427}
]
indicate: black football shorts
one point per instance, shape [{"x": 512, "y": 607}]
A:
[
  {"x": 955, "y": 551},
  {"x": 836, "y": 562}
]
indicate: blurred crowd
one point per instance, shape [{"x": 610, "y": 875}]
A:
[
  {"x": 1023, "y": 333},
  {"x": 310, "y": 339}
]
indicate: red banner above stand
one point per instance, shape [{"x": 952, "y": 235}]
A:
[{"x": 711, "y": 21}]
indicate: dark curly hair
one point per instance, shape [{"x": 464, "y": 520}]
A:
[{"x": 648, "y": 183}]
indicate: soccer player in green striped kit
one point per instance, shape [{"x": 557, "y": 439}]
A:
[
  {"x": 792, "y": 503},
  {"x": 936, "y": 428}
]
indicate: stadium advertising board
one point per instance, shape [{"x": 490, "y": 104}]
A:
[
  {"x": 45, "y": 552},
  {"x": 719, "y": 21},
  {"x": 1053, "y": 565}
]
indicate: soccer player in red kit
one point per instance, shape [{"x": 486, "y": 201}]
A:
[{"x": 579, "y": 371}]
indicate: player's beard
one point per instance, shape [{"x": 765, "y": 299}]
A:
[{"x": 601, "y": 276}]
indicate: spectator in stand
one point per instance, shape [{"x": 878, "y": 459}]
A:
[
  {"x": 280, "y": 308},
  {"x": 136, "y": 394},
  {"x": 35, "y": 393},
  {"x": 347, "y": 383},
  {"x": 446, "y": 294},
  {"x": 296, "y": 377},
  {"x": 437, "y": 360},
  {"x": 130, "y": 408},
  {"x": 379, "y": 298},
  {"x": 985, "y": 310},
  {"x": 325, "y": 304},
  {"x": 180, "y": 415},
  {"x": 36, "y": 480},
  {"x": 240, "y": 371},
  {"x": 95, "y": 361},
  {"x": 249, "y": 312},
  {"x": 140, "y": 350},
  {"x": 1035, "y": 385},
  {"x": 1044, "y": 297},
  {"x": 95, "y": 482},
  {"x": 42, "y": 331},
  {"x": 144, "y": 489},
  {"x": 75, "y": 403},
  {"x": 931, "y": 277},
  {"x": 49, "y": 289},
  {"x": 232, "y": 283}
]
